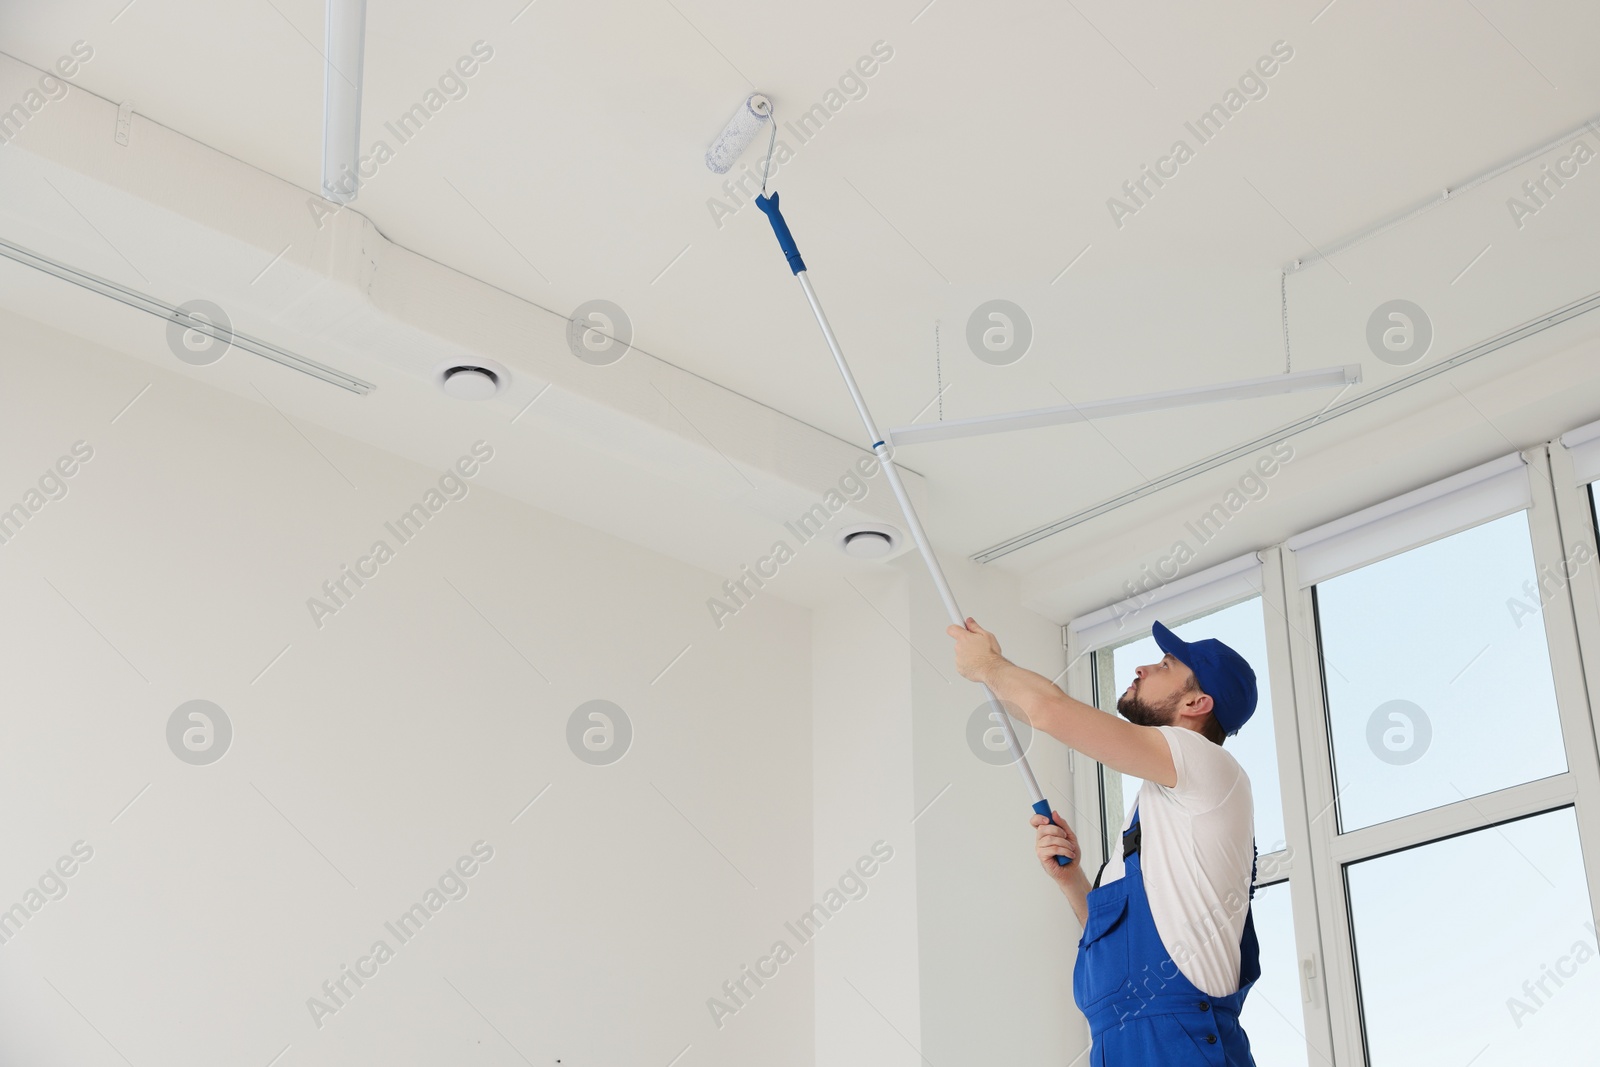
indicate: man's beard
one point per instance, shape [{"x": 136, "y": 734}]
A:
[{"x": 1142, "y": 713}]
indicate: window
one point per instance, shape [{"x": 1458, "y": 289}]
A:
[
  {"x": 1441, "y": 781},
  {"x": 1478, "y": 948},
  {"x": 1437, "y": 675},
  {"x": 1272, "y": 1013}
]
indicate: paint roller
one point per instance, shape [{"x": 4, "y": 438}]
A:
[
  {"x": 747, "y": 122},
  {"x": 880, "y": 444}
]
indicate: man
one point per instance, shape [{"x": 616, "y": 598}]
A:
[{"x": 1169, "y": 948}]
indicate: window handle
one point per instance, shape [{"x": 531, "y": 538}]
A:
[{"x": 1308, "y": 977}]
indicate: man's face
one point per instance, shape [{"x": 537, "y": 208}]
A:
[{"x": 1157, "y": 690}]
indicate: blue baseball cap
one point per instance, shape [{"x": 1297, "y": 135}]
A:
[{"x": 1223, "y": 675}]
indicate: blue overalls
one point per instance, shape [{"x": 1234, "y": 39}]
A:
[{"x": 1142, "y": 1011}]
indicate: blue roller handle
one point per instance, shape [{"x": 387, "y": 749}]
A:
[
  {"x": 1043, "y": 808},
  {"x": 769, "y": 207}
]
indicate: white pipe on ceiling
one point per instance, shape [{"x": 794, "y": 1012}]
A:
[
  {"x": 1269, "y": 385},
  {"x": 341, "y": 99}
]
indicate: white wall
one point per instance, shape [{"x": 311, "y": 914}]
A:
[
  {"x": 868, "y": 991},
  {"x": 996, "y": 938},
  {"x": 371, "y": 755},
  {"x": 422, "y": 717},
  {"x": 962, "y": 949}
]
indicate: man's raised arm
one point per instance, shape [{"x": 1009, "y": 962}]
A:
[{"x": 1139, "y": 751}]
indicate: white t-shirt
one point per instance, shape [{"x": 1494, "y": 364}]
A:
[{"x": 1195, "y": 851}]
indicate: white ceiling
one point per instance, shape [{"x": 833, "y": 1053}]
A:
[{"x": 977, "y": 166}]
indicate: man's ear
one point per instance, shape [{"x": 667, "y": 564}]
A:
[{"x": 1197, "y": 704}]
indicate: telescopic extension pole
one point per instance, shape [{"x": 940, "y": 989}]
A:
[{"x": 884, "y": 452}]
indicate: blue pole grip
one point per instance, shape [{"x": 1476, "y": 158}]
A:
[
  {"x": 1043, "y": 808},
  {"x": 769, "y": 207}
]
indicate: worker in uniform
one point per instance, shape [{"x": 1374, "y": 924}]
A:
[{"x": 1169, "y": 951}]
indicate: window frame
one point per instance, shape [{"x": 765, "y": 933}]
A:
[
  {"x": 1331, "y": 852},
  {"x": 1561, "y": 515}
]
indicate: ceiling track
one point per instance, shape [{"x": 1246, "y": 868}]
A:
[
  {"x": 1450, "y": 192},
  {"x": 1328, "y": 414},
  {"x": 163, "y": 310}
]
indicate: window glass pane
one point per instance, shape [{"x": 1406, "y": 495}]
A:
[
  {"x": 1242, "y": 628},
  {"x": 1478, "y": 949},
  {"x": 1438, "y": 677},
  {"x": 1274, "y": 1014}
]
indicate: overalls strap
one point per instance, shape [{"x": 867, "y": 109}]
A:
[{"x": 1130, "y": 845}]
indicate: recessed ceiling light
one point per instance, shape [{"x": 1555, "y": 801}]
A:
[
  {"x": 471, "y": 379},
  {"x": 869, "y": 541},
  {"x": 470, "y": 383}
]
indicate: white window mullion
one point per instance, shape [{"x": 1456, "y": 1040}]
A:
[
  {"x": 1280, "y": 604},
  {"x": 1562, "y": 525},
  {"x": 1078, "y": 683},
  {"x": 1334, "y": 983},
  {"x": 1464, "y": 816},
  {"x": 1081, "y": 809}
]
